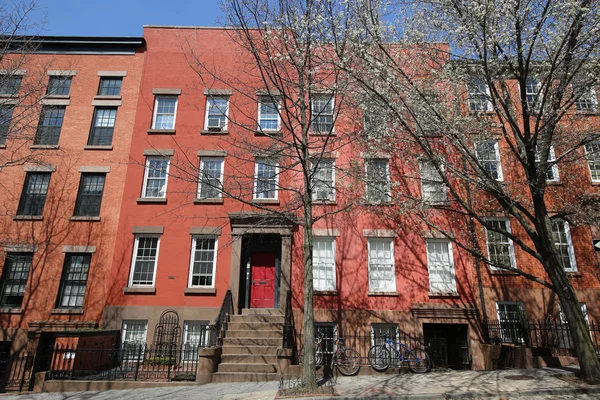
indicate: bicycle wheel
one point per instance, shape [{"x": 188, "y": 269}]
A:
[
  {"x": 418, "y": 361},
  {"x": 318, "y": 357},
  {"x": 379, "y": 358},
  {"x": 348, "y": 362}
]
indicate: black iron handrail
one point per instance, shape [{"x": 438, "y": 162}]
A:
[
  {"x": 289, "y": 331},
  {"x": 222, "y": 319}
]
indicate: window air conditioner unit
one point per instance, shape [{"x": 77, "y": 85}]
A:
[{"x": 215, "y": 124}]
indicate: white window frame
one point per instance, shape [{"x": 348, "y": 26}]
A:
[
  {"x": 265, "y": 161},
  {"x": 334, "y": 266},
  {"x": 147, "y": 170},
  {"x": 511, "y": 248},
  {"x": 193, "y": 256},
  {"x": 498, "y": 161},
  {"x": 328, "y": 342},
  {"x": 440, "y": 183},
  {"x": 553, "y": 167},
  {"x": 134, "y": 256},
  {"x": 570, "y": 249},
  {"x": 391, "y": 285},
  {"x": 155, "y": 113},
  {"x": 331, "y": 196},
  {"x": 450, "y": 259},
  {"x": 200, "y": 176},
  {"x": 503, "y": 331},
  {"x": 591, "y": 92},
  {"x": 471, "y": 93},
  {"x": 313, "y": 116},
  {"x": 536, "y": 104},
  {"x": 208, "y": 101},
  {"x": 388, "y": 194},
  {"x": 204, "y": 339},
  {"x": 593, "y": 157},
  {"x": 267, "y": 99},
  {"x": 385, "y": 326}
]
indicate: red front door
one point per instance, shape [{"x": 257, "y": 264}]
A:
[{"x": 262, "y": 286}]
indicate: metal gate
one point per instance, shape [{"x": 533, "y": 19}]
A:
[{"x": 16, "y": 371}]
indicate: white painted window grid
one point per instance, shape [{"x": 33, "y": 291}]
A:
[
  {"x": 510, "y": 316},
  {"x": 268, "y": 114},
  {"x": 378, "y": 189},
  {"x": 266, "y": 178},
  {"x": 203, "y": 262},
  {"x": 552, "y": 171},
  {"x": 586, "y": 100},
  {"x": 561, "y": 235},
  {"x": 432, "y": 183},
  {"x": 592, "y": 153},
  {"x": 440, "y": 263},
  {"x": 156, "y": 177},
  {"x": 500, "y": 248},
  {"x": 210, "y": 181},
  {"x": 165, "y": 112},
  {"x": 488, "y": 156},
  {"x": 144, "y": 260},
  {"x": 479, "y": 95},
  {"x": 322, "y": 107},
  {"x": 323, "y": 180},
  {"x": 532, "y": 90},
  {"x": 217, "y": 113},
  {"x": 382, "y": 271},
  {"x": 324, "y": 271}
]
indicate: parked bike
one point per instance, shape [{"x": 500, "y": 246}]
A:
[
  {"x": 380, "y": 356},
  {"x": 346, "y": 359}
]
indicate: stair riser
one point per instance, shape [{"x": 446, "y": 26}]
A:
[
  {"x": 257, "y": 318},
  {"x": 250, "y": 350},
  {"x": 243, "y": 377},
  {"x": 254, "y": 368},
  {"x": 254, "y": 334},
  {"x": 254, "y": 326},
  {"x": 252, "y": 341},
  {"x": 248, "y": 359},
  {"x": 262, "y": 311}
]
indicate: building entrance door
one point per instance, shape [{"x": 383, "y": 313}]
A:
[{"x": 262, "y": 284}]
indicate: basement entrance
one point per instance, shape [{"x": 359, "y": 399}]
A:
[{"x": 447, "y": 345}]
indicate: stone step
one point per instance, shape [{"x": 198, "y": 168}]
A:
[
  {"x": 230, "y": 333},
  {"x": 249, "y": 358},
  {"x": 223, "y": 377},
  {"x": 262, "y": 311},
  {"x": 277, "y": 319},
  {"x": 250, "y": 350},
  {"x": 257, "y": 368},
  {"x": 259, "y": 341},
  {"x": 255, "y": 326}
]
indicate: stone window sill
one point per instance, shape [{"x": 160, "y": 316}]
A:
[
  {"x": 208, "y": 201},
  {"x": 324, "y": 202},
  {"x": 161, "y": 131},
  {"x": 322, "y": 133},
  {"x": 139, "y": 290},
  {"x": 325, "y": 292},
  {"x": 453, "y": 294},
  {"x": 84, "y": 218},
  {"x": 69, "y": 311},
  {"x": 8, "y": 310},
  {"x": 2, "y": 146},
  {"x": 28, "y": 218},
  {"x": 502, "y": 272},
  {"x": 207, "y": 132},
  {"x": 44, "y": 147},
  {"x": 107, "y": 97},
  {"x": 57, "y": 96},
  {"x": 267, "y": 133},
  {"x": 273, "y": 202},
  {"x": 97, "y": 147},
  {"x": 155, "y": 200},
  {"x": 574, "y": 274},
  {"x": 395, "y": 294},
  {"x": 9, "y": 96},
  {"x": 199, "y": 291}
]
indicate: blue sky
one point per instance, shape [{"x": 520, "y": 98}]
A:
[{"x": 122, "y": 17}]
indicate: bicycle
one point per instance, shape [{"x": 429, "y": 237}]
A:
[
  {"x": 380, "y": 356},
  {"x": 319, "y": 351},
  {"x": 346, "y": 359}
]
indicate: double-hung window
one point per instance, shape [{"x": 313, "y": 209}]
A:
[
  {"x": 440, "y": 261},
  {"x": 74, "y": 280},
  {"x": 321, "y": 107},
  {"x": 266, "y": 178},
  {"x": 33, "y": 197},
  {"x": 592, "y": 154},
  {"x": 552, "y": 168},
  {"x": 488, "y": 157},
  {"x": 382, "y": 271},
  {"x": 479, "y": 95},
  {"x": 103, "y": 126},
  {"x": 48, "y": 130},
  {"x": 203, "y": 262},
  {"x": 378, "y": 181},
  {"x": 145, "y": 259},
  {"x": 432, "y": 184},
  {"x": 323, "y": 180},
  {"x": 585, "y": 99},
  {"x": 6, "y": 114},
  {"x": 217, "y": 111},
  {"x": 328, "y": 331},
  {"x": 14, "y": 279},
  {"x": 155, "y": 177},
  {"x": 133, "y": 339},
  {"x": 532, "y": 89},
  {"x": 110, "y": 86},
  {"x": 268, "y": 114},
  {"x": 89, "y": 196},
  {"x": 501, "y": 252},
  {"x": 323, "y": 264},
  {"x": 211, "y": 178},
  {"x": 196, "y": 334},
  {"x": 511, "y": 317},
  {"x": 59, "y": 86},
  {"x": 165, "y": 108},
  {"x": 561, "y": 235},
  {"x": 10, "y": 84}
]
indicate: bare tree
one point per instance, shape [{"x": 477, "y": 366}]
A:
[{"x": 461, "y": 84}]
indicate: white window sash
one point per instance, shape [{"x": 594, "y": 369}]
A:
[
  {"x": 331, "y": 189},
  {"x": 275, "y": 164},
  {"x": 449, "y": 270},
  {"x": 267, "y": 100},
  {"x": 511, "y": 247},
  {"x": 390, "y": 286},
  {"x": 134, "y": 257},
  {"x": 155, "y": 113},
  {"x": 471, "y": 93},
  {"x": 193, "y": 259},
  {"x": 201, "y": 175},
  {"x": 327, "y": 264},
  {"x": 387, "y": 196},
  {"x": 497, "y": 161},
  {"x": 126, "y": 329},
  {"x": 439, "y": 185},
  {"x": 570, "y": 248},
  {"x": 209, "y": 100},
  {"x": 146, "y": 177}
]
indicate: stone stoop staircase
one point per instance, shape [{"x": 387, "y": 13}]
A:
[{"x": 250, "y": 346}]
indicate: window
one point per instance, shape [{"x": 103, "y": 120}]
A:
[
  {"x": 564, "y": 337},
  {"x": 74, "y": 280},
  {"x": 323, "y": 263},
  {"x": 585, "y": 99},
  {"x": 380, "y": 331},
  {"x": 323, "y": 180},
  {"x": 204, "y": 262},
  {"x": 48, "y": 130},
  {"x": 103, "y": 126},
  {"x": 6, "y": 113},
  {"x": 145, "y": 257},
  {"x": 14, "y": 279},
  {"x": 89, "y": 196},
  {"x": 432, "y": 183},
  {"x": 378, "y": 181},
  {"x": 217, "y": 110},
  {"x": 268, "y": 114},
  {"x": 479, "y": 95},
  {"x": 265, "y": 178},
  {"x": 34, "y": 193},
  {"x": 561, "y": 235},
  {"x": 532, "y": 87},
  {"x": 155, "y": 177},
  {"x": 375, "y": 121},
  {"x": 10, "y": 84},
  {"x": 500, "y": 248},
  {"x": 511, "y": 317},
  {"x": 59, "y": 86},
  {"x": 592, "y": 153},
  {"x": 322, "y": 114},
  {"x": 165, "y": 108},
  {"x": 552, "y": 168},
  {"x": 441, "y": 267},
  {"x": 382, "y": 271},
  {"x": 110, "y": 86},
  {"x": 329, "y": 333},
  {"x": 211, "y": 178},
  {"x": 488, "y": 157},
  {"x": 133, "y": 339},
  {"x": 196, "y": 334}
]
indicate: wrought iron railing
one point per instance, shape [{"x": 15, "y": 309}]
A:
[
  {"x": 217, "y": 333},
  {"x": 15, "y": 371},
  {"x": 289, "y": 331}
]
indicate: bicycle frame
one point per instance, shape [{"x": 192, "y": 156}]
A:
[{"x": 402, "y": 356}]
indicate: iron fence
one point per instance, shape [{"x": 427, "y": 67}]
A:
[{"x": 16, "y": 371}]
